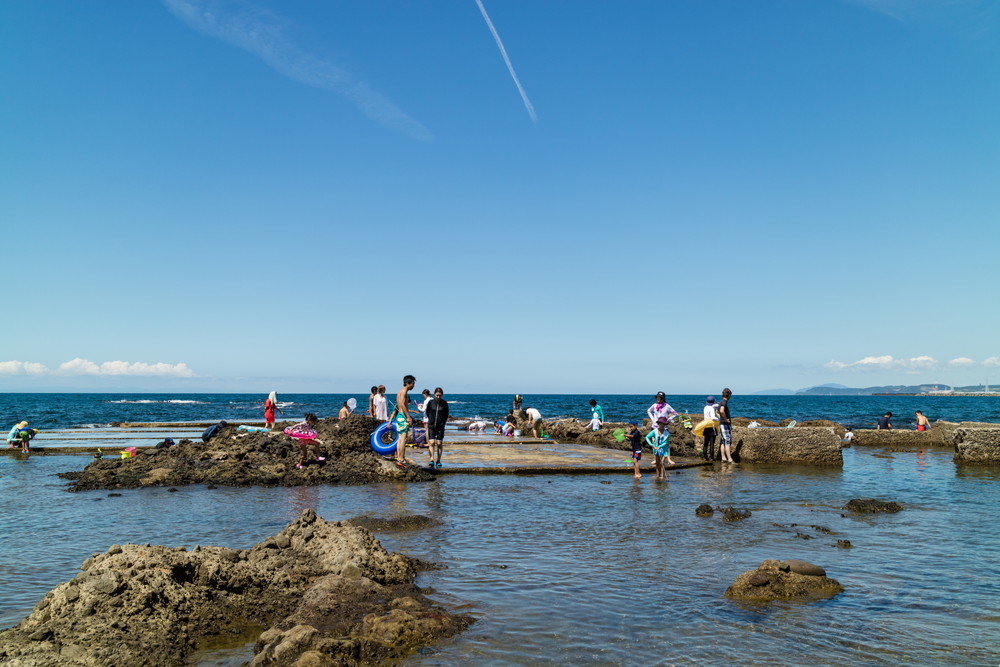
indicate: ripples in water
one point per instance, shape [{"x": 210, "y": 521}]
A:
[{"x": 570, "y": 570}]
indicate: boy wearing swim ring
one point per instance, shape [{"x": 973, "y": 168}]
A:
[
  {"x": 401, "y": 415},
  {"x": 659, "y": 440}
]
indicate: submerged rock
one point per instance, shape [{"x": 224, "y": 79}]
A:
[
  {"x": 235, "y": 458},
  {"x": 733, "y": 514},
  {"x": 872, "y": 506},
  {"x": 780, "y": 580},
  {"x": 704, "y": 510},
  {"x": 316, "y": 586},
  {"x": 409, "y": 522}
]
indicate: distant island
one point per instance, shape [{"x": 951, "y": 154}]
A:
[{"x": 899, "y": 390}]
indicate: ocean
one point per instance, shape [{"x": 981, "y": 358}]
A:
[
  {"x": 584, "y": 570},
  {"x": 60, "y": 411}
]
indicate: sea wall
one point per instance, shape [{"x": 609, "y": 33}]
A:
[
  {"x": 320, "y": 592},
  {"x": 978, "y": 445},
  {"x": 800, "y": 445},
  {"x": 940, "y": 435}
]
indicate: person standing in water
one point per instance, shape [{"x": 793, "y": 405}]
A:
[
  {"x": 401, "y": 415},
  {"x": 536, "y": 419},
  {"x": 436, "y": 414},
  {"x": 270, "y": 407},
  {"x": 726, "y": 427},
  {"x": 659, "y": 440},
  {"x": 711, "y": 413}
]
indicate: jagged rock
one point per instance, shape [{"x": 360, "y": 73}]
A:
[
  {"x": 845, "y": 544},
  {"x": 235, "y": 458},
  {"x": 775, "y": 580},
  {"x": 704, "y": 510},
  {"x": 318, "y": 587},
  {"x": 979, "y": 445},
  {"x": 872, "y": 506},
  {"x": 733, "y": 514}
]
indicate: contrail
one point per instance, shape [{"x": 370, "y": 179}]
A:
[
  {"x": 506, "y": 59},
  {"x": 263, "y": 35}
]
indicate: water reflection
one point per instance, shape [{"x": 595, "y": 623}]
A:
[{"x": 573, "y": 570}]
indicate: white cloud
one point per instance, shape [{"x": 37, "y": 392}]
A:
[
  {"x": 80, "y": 366},
  {"x": 22, "y": 368},
  {"x": 885, "y": 363},
  {"x": 991, "y": 362},
  {"x": 964, "y": 362},
  {"x": 263, "y": 35}
]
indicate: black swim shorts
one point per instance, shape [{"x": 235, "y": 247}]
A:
[{"x": 435, "y": 432}]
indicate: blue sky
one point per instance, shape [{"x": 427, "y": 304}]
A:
[{"x": 317, "y": 196}]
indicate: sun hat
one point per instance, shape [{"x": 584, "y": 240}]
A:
[
  {"x": 710, "y": 400},
  {"x": 22, "y": 424}
]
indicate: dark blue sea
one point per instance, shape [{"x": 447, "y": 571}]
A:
[
  {"x": 583, "y": 570},
  {"x": 93, "y": 410}
]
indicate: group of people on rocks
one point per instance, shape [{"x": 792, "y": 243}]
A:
[
  {"x": 434, "y": 411},
  {"x": 885, "y": 422}
]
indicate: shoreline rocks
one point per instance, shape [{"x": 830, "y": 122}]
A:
[
  {"x": 978, "y": 445},
  {"x": 801, "y": 445},
  {"x": 783, "y": 580},
  {"x": 872, "y": 506},
  {"x": 235, "y": 458},
  {"x": 321, "y": 588}
]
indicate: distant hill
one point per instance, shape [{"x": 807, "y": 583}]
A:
[
  {"x": 841, "y": 390},
  {"x": 774, "y": 392}
]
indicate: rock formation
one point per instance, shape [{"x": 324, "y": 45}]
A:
[
  {"x": 801, "y": 445},
  {"x": 978, "y": 445},
  {"x": 782, "y": 580},
  {"x": 235, "y": 458},
  {"x": 321, "y": 591}
]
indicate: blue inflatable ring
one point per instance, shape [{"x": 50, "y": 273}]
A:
[{"x": 379, "y": 445}]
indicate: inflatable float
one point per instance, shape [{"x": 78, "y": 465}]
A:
[
  {"x": 699, "y": 428},
  {"x": 301, "y": 433},
  {"x": 379, "y": 442},
  {"x": 252, "y": 429}
]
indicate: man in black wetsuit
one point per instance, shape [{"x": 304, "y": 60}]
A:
[{"x": 437, "y": 417}]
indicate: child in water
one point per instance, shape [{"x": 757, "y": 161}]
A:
[
  {"x": 635, "y": 438},
  {"x": 659, "y": 440}
]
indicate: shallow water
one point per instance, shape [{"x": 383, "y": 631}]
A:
[{"x": 569, "y": 569}]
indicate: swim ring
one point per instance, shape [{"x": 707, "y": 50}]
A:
[
  {"x": 378, "y": 442},
  {"x": 301, "y": 434}
]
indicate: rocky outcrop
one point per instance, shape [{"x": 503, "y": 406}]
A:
[
  {"x": 872, "y": 506},
  {"x": 320, "y": 591},
  {"x": 978, "y": 445},
  {"x": 782, "y": 580},
  {"x": 235, "y": 458},
  {"x": 801, "y": 445}
]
